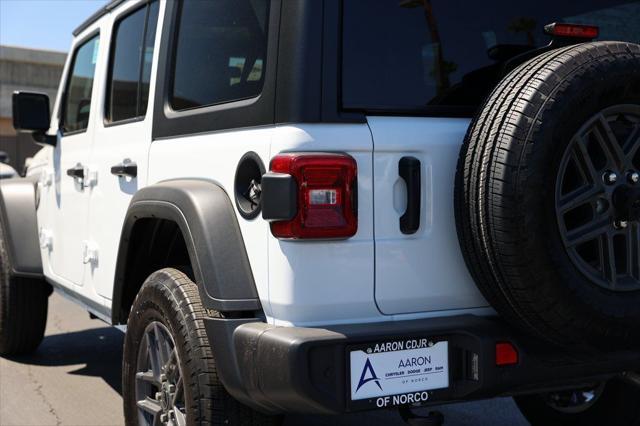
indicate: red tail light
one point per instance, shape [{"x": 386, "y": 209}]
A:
[
  {"x": 572, "y": 30},
  {"x": 506, "y": 354},
  {"x": 326, "y": 195}
]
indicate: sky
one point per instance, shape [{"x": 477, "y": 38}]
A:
[{"x": 43, "y": 24}]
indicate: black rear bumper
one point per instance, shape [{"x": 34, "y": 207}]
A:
[{"x": 289, "y": 369}]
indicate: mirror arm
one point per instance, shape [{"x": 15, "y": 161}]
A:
[{"x": 43, "y": 138}]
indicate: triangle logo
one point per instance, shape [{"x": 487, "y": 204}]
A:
[{"x": 368, "y": 375}]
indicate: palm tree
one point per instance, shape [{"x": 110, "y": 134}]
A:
[
  {"x": 524, "y": 25},
  {"x": 442, "y": 68}
]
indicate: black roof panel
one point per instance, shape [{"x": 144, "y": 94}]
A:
[{"x": 99, "y": 14}]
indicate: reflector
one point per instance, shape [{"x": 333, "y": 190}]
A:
[
  {"x": 572, "y": 30},
  {"x": 506, "y": 354}
]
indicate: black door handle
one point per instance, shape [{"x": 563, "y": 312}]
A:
[
  {"x": 76, "y": 172},
  {"x": 409, "y": 171},
  {"x": 126, "y": 168}
]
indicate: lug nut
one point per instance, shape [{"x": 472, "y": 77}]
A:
[
  {"x": 610, "y": 178},
  {"x": 158, "y": 395},
  {"x": 163, "y": 377},
  {"x": 634, "y": 177},
  {"x": 164, "y": 418},
  {"x": 621, "y": 224}
]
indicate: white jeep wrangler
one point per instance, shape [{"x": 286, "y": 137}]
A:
[{"x": 277, "y": 201}]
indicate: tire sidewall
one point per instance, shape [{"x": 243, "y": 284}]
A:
[
  {"x": 152, "y": 304},
  {"x": 581, "y": 99}
]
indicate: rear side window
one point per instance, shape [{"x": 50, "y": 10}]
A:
[
  {"x": 130, "y": 65},
  {"x": 77, "y": 103},
  {"x": 441, "y": 56},
  {"x": 219, "y": 52}
]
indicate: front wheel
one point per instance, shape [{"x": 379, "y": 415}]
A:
[
  {"x": 169, "y": 374},
  {"x": 23, "y": 309},
  {"x": 613, "y": 403}
]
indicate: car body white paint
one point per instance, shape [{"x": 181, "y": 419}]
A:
[
  {"x": 63, "y": 213},
  {"x": 377, "y": 275},
  {"x": 113, "y": 144},
  {"x": 424, "y": 271}
]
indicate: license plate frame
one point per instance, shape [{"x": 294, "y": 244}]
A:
[{"x": 412, "y": 381}]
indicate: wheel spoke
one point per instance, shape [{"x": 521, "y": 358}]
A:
[
  {"x": 632, "y": 144},
  {"x": 177, "y": 395},
  {"x": 147, "y": 377},
  {"x": 163, "y": 355},
  {"x": 180, "y": 417},
  {"x": 609, "y": 143},
  {"x": 633, "y": 250},
  {"x": 608, "y": 259},
  {"x": 579, "y": 197},
  {"x": 172, "y": 360},
  {"x": 583, "y": 160},
  {"x": 152, "y": 350},
  {"x": 587, "y": 232},
  {"x": 592, "y": 192},
  {"x": 151, "y": 407}
]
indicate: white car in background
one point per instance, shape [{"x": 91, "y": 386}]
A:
[{"x": 6, "y": 171}]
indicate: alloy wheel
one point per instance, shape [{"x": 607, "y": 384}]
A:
[
  {"x": 159, "y": 384},
  {"x": 597, "y": 198}
]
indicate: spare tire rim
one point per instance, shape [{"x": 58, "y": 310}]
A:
[
  {"x": 159, "y": 384},
  {"x": 597, "y": 198},
  {"x": 576, "y": 401}
]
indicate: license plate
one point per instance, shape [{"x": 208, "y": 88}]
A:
[{"x": 398, "y": 368}]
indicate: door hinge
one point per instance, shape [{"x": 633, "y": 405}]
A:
[
  {"x": 89, "y": 252},
  {"x": 46, "y": 239},
  {"x": 46, "y": 178},
  {"x": 90, "y": 178}
]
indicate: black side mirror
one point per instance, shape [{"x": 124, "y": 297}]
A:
[{"x": 31, "y": 114}]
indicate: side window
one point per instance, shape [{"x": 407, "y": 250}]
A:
[
  {"x": 220, "y": 52},
  {"x": 77, "y": 103},
  {"x": 130, "y": 64}
]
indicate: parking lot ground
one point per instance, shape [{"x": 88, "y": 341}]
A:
[{"x": 74, "y": 379}]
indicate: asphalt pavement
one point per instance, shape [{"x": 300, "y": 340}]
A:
[{"x": 74, "y": 379}]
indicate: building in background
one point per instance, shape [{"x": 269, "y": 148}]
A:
[{"x": 29, "y": 70}]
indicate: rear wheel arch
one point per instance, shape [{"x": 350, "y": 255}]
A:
[{"x": 190, "y": 225}]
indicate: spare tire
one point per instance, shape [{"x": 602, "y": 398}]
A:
[{"x": 547, "y": 197}]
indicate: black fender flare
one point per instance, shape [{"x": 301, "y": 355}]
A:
[
  {"x": 205, "y": 215},
  {"x": 18, "y": 203}
]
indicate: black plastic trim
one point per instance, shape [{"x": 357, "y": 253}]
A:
[
  {"x": 112, "y": 46},
  {"x": 279, "y": 196},
  {"x": 126, "y": 168},
  {"x": 332, "y": 110},
  {"x": 250, "y": 162},
  {"x": 20, "y": 226},
  {"x": 220, "y": 333},
  {"x": 69, "y": 75},
  {"x": 97, "y": 15},
  {"x": 305, "y": 370},
  {"x": 309, "y": 64},
  {"x": 206, "y": 217},
  {"x": 409, "y": 171},
  {"x": 257, "y": 111}
]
